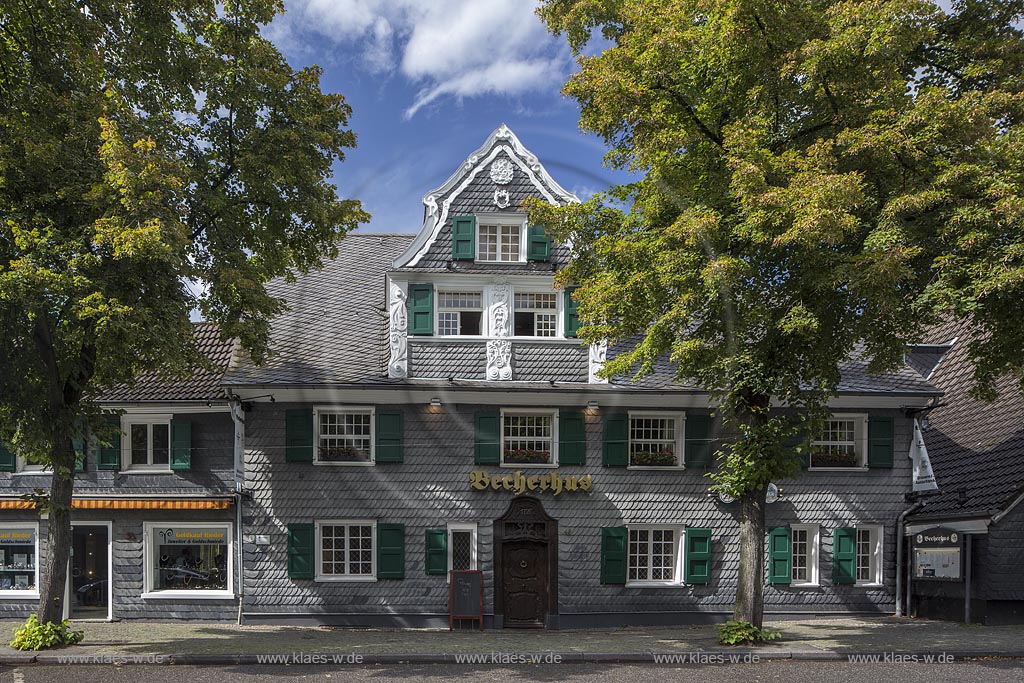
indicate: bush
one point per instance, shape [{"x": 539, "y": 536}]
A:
[
  {"x": 36, "y": 636},
  {"x": 738, "y": 632}
]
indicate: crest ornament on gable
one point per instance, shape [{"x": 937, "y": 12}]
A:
[
  {"x": 501, "y": 198},
  {"x": 502, "y": 171}
]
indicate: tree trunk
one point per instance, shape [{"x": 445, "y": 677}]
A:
[
  {"x": 750, "y": 583},
  {"x": 58, "y": 538}
]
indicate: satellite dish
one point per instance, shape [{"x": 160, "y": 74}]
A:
[{"x": 772, "y": 494}]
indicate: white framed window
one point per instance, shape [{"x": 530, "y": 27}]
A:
[
  {"x": 805, "y": 555},
  {"x": 346, "y": 550},
  {"x": 499, "y": 242},
  {"x": 344, "y": 435},
  {"x": 146, "y": 443},
  {"x": 654, "y": 555},
  {"x": 188, "y": 559},
  {"x": 842, "y": 444},
  {"x": 869, "y": 555},
  {"x": 529, "y": 437},
  {"x": 461, "y": 546},
  {"x": 655, "y": 439},
  {"x": 535, "y": 314},
  {"x": 25, "y": 467},
  {"x": 19, "y": 560},
  {"x": 459, "y": 313}
]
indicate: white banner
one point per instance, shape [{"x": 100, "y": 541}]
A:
[{"x": 924, "y": 478}]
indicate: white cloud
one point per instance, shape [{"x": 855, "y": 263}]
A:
[{"x": 461, "y": 48}]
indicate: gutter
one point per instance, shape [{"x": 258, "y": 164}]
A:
[
  {"x": 899, "y": 554},
  {"x": 238, "y": 417}
]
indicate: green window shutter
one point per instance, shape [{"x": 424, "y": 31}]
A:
[
  {"x": 880, "y": 441},
  {"x": 301, "y": 553},
  {"x": 572, "y": 439},
  {"x": 390, "y": 551},
  {"x": 463, "y": 237},
  {"x": 844, "y": 556},
  {"x": 181, "y": 445},
  {"x": 421, "y": 309},
  {"x": 488, "y": 438},
  {"x": 538, "y": 244},
  {"x": 572, "y": 317},
  {"x": 613, "y": 554},
  {"x": 780, "y": 555},
  {"x": 390, "y": 437},
  {"x": 615, "y": 452},
  {"x": 110, "y": 448},
  {"x": 8, "y": 461},
  {"x": 437, "y": 551},
  {"x": 298, "y": 435},
  {"x": 698, "y": 441},
  {"x": 78, "y": 444},
  {"x": 698, "y": 555}
]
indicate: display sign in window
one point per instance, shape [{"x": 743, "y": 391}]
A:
[
  {"x": 190, "y": 558},
  {"x": 18, "y": 552}
]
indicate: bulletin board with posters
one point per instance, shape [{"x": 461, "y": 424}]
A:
[{"x": 938, "y": 555}]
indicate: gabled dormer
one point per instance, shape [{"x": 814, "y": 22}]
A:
[{"x": 473, "y": 297}]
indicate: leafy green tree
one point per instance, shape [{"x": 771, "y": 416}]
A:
[
  {"x": 817, "y": 179},
  {"x": 145, "y": 145}
]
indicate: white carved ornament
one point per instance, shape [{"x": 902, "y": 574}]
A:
[
  {"x": 598, "y": 355},
  {"x": 499, "y": 359},
  {"x": 501, "y": 198},
  {"x": 502, "y": 171},
  {"x": 500, "y": 296},
  {"x": 398, "y": 365}
]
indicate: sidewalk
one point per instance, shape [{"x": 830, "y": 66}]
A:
[{"x": 812, "y": 639}]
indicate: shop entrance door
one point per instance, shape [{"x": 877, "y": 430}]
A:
[
  {"x": 89, "y": 572},
  {"x": 526, "y": 566}
]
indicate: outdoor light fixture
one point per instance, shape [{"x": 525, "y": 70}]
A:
[
  {"x": 435, "y": 402},
  {"x": 592, "y": 405}
]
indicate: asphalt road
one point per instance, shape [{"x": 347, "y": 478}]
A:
[{"x": 766, "y": 672}]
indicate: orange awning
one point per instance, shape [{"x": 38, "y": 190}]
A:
[{"x": 128, "y": 504}]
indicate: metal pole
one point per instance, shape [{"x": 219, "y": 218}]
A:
[{"x": 967, "y": 580}]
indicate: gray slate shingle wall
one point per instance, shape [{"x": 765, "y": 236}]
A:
[
  {"x": 537, "y": 362},
  {"x": 431, "y": 488},
  {"x": 1002, "y": 573}
]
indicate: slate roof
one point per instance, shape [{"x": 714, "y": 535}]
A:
[
  {"x": 202, "y": 384},
  {"x": 976, "y": 448},
  {"x": 335, "y": 330}
]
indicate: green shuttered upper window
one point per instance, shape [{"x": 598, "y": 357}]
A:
[
  {"x": 146, "y": 443},
  {"x": 842, "y": 443}
]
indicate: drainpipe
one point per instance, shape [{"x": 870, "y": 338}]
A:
[
  {"x": 899, "y": 554},
  {"x": 238, "y": 417}
]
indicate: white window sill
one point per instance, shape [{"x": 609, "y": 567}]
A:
[
  {"x": 354, "y": 463},
  {"x": 501, "y": 263},
  {"x": 476, "y": 339},
  {"x": 18, "y": 595},
  {"x": 838, "y": 469},
  {"x": 33, "y": 473},
  {"x": 138, "y": 470},
  {"x": 188, "y": 595},
  {"x": 804, "y": 585},
  {"x": 529, "y": 465},
  {"x": 656, "y": 467},
  {"x": 346, "y": 579},
  {"x": 654, "y": 584},
  {"x": 869, "y": 585}
]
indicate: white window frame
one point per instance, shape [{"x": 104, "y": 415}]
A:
[
  {"x": 343, "y": 409},
  {"x": 22, "y": 594},
  {"x": 860, "y": 437},
  {"x": 501, "y": 221},
  {"x": 556, "y": 311},
  {"x": 461, "y": 527},
  {"x": 813, "y": 543},
  {"x": 438, "y": 291},
  {"x": 149, "y": 545},
  {"x": 319, "y": 550},
  {"x": 25, "y": 468},
  {"x": 148, "y": 419},
  {"x": 679, "y": 532},
  {"x": 876, "y": 566},
  {"x": 680, "y": 427},
  {"x": 527, "y": 412}
]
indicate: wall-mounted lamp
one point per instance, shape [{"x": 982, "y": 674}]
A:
[
  {"x": 435, "y": 402},
  {"x": 592, "y": 405}
]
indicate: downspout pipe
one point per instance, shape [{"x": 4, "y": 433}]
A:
[
  {"x": 900, "y": 521},
  {"x": 238, "y": 417}
]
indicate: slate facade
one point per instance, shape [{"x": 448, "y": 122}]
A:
[{"x": 428, "y": 395}]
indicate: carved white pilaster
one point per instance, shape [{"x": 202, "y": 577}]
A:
[
  {"x": 598, "y": 355},
  {"x": 398, "y": 332},
  {"x": 500, "y": 310},
  {"x": 499, "y": 359}
]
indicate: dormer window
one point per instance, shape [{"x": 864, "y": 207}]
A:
[
  {"x": 536, "y": 315},
  {"x": 459, "y": 313},
  {"x": 499, "y": 243}
]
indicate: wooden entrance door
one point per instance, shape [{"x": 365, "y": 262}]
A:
[{"x": 526, "y": 565}]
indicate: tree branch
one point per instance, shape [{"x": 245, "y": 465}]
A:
[{"x": 692, "y": 113}]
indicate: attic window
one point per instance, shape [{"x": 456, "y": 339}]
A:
[{"x": 500, "y": 243}]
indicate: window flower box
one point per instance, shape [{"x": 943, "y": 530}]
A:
[
  {"x": 661, "y": 458},
  {"x": 342, "y": 454},
  {"x": 833, "y": 459},
  {"x": 527, "y": 456}
]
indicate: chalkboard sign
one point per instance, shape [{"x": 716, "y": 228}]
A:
[{"x": 466, "y": 596}]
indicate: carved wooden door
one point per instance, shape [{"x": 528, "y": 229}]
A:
[{"x": 525, "y": 583}]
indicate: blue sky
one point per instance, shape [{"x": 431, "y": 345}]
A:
[{"x": 428, "y": 80}]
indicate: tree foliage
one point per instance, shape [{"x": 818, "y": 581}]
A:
[
  {"x": 818, "y": 180},
  {"x": 156, "y": 156}
]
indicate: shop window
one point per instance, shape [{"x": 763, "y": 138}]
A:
[
  {"x": 192, "y": 559},
  {"x": 344, "y": 436},
  {"x": 653, "y": 555},
  {"x": 528, "y": 438},
  {"x": 869, "y": 555},
  {"x": 841, "y": 444},
  {"x": 459, "y": 313},
  {"x": 805, "y": 555},
  {"x": 19, "y": 569},
  {"x": 654, "y": 440},
  {"x": 346, "y": 550},
  {"x": 146, "y": 442},
  {"x": 536, "y": 314}
]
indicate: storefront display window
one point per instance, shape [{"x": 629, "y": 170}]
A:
[
  {"x": 193, "y": 559},
  {"x": 19, "y": 571}
]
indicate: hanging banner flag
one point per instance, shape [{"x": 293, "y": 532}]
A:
[{"x": 924, "y": 478}]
